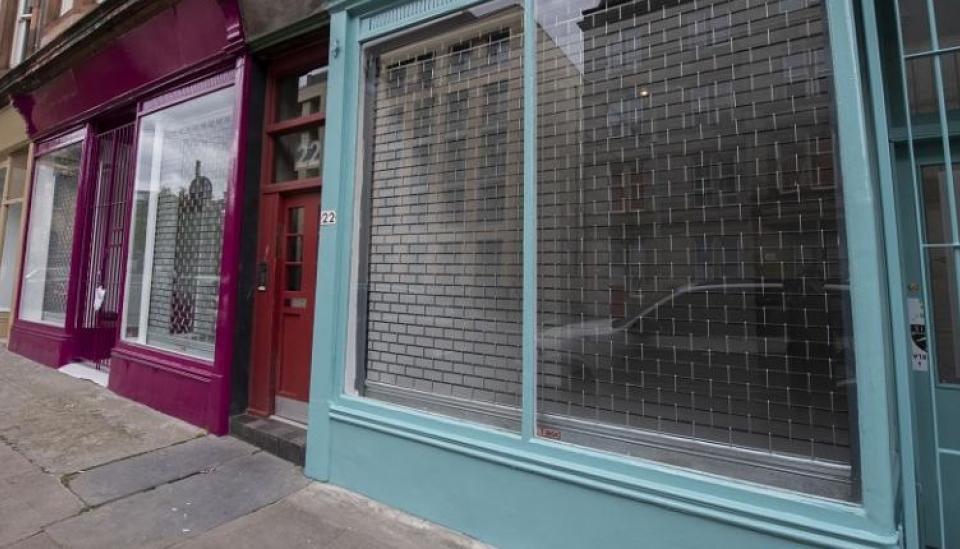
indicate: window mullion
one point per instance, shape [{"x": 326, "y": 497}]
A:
[{"x": 529, "y": 352}]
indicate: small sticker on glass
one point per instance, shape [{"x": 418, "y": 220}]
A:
[{"x": 918, "y": 335}]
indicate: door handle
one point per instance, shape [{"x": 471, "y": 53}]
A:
[{"x": 262, "y": 277}]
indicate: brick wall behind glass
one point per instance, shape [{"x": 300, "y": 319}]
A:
[
  {"x": 703, "y": 154},
  {"x": 444, "y": 309}
]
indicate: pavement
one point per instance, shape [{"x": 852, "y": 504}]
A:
[{"x": 82, "y": 467}]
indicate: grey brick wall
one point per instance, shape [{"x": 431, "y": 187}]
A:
[
  {"x": 681, "y": 143},
  {"x": 444, "y": 253},
  {"x": 702, "y": 153}
]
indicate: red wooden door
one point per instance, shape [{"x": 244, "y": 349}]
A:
[{"x": 297, "y": 274}]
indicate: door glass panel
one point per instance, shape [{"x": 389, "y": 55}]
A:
[
  {"x": 943, "y": 263},
  {"x": 950, "y": 64},
  {"x": 937, "y": 211},
  {"x": 946, "y": 305},
  {"x": 915, "y": 25},
  {"x": 302, "y": 94},
  {"x": 295, "y": 220},
  {"x": 921, "y": 87},
  {"x": 948, "y": 22},
  {"x": 294, "y": 278},
  {"x": 298, "y": 155},
  {"x": 295, "y": 249}
]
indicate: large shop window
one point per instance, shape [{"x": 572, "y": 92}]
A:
[
  {"x": 173, "y": 281},
  {"x": 46, "y": 269},
  {"x": 444, "y": 219},
  {"x": 693, "y": 296}
]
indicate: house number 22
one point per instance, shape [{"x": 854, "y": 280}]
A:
[{"x": 328, "y": 217}]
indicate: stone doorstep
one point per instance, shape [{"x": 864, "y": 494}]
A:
[{"x": 279, "y": 438}]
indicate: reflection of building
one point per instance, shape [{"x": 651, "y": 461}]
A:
[{"x": 692, "y": 165}]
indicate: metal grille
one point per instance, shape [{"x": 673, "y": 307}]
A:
[
  {"x": 931, "y": 63},
  {"x": 444, "y": 182},
  {"x": 691, "y": 273},
  {"x": 101, "y": 306}
]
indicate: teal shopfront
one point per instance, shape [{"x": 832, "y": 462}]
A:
[{"x": 643, "y": 273}]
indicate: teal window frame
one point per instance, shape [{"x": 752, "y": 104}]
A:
[{"x": 793, "y": 516}]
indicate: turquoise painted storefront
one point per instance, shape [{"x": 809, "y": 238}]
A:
[{"x": 513, "y": 472}]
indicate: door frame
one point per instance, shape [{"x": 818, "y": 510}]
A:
[
  {"x": 115, "y": 124},
  {"x": 927, "y": 390},
  {"x": 266, "y": 306}
]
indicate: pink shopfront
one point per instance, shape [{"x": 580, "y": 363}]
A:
[{"x": 131, "y": 255}]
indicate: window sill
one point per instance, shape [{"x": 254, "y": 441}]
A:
[
  {"x": 779, "y": 512},
  {"x": 164, "y": 358}
]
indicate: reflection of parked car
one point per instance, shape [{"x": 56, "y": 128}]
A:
[{"x": 781, "y": 333}]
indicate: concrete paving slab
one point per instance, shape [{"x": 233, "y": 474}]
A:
[
  {"x": 39, "y": 541},
  {"x": 64, "y": 425},
  {"x": 135, "y": 474},
  {"x": 283, "y": 524},
  {"x": 325, "y": 516},
  {"x": 370, "y": 522},
  {"x": 13, "y": 463},
  {"x": 183, "y": 509},
  {"x": 30, "y": 501}
]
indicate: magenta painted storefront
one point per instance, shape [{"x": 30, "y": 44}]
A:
[{"x": 131, "y": 259}]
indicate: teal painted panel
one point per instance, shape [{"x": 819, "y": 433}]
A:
[
  {"x": 950, "y": 475},
  {"x": 511, "y": 508},
  {"x": 876, "y": 401},
  {"x": 948, "y": 411}
]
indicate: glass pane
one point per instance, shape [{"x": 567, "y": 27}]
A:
[
  {"x": 298, "y": 155},
  {"x": 294, "y": 249},
  {"x": 692, "y": 279},
  {"x": 18, "y": 174},
  {"x": 294, "y": 277},
  {"x": 948, "y": 22},
  {"x": 915, "y": 24},
  {"x": 950, "y": 66},
  {"x": 3, "y": 180},
  {"x": 937, "y": 204},
  {"x": 443, "y": 305},
  {"x": 946, "y": 305},
  {"x": 46, "y": 271},
  {"x": 302, "y": 94},
  {"x": 295, "y": 220},
  {"x": 8, "y": 259},
  {"x": 922, "y": 90},
  {"x": 173, "y": 281}
]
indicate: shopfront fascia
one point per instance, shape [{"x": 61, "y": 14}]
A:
[
  {"x": 131, "y": 257},
  {"x": 527, "y": 453}
]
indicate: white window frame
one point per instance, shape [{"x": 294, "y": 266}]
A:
[{"x": 21, "y": 32}]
